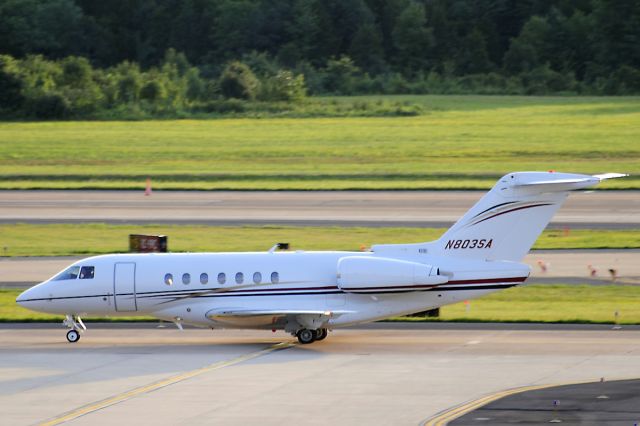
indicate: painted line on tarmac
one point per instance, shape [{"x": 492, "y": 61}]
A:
[
  {"x": 116, "y": 399},
  {"x": 445, "y": 417}
]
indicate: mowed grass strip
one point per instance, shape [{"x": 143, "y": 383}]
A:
[
  {"x": 459, "y": 142},
  {"x": 535, "y": 303},
  {"x": 559, "y": 303},
  {"x": 88, "y": 239}
]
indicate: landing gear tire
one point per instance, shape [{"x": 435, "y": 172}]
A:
[
  {"x": 306, "y": 336},
  {"x": 321, "y": 334},
  {"x": 73, "y": 336}
]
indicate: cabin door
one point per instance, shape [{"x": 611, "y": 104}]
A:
[{"x": 124, "y": 286}]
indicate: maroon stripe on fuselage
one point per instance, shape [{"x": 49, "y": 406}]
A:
[
  {"x": 331, "y": 287},
  {"x": 512, "y": 210},
  {"x": 417, "y": 286},
  {"x": 400, "y": 287},
  {"x": 308, "y": 290},
  {"x": 489, "y": 281}
]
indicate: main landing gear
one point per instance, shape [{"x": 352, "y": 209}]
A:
[
  {"x": 306, "y": 336},
  {"x": 76, "y": 325},
  {"x": 321, "y": 334}
]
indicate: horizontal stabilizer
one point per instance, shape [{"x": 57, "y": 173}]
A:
[
  {"x": 556, "y": 182},
  {"x": 559, "y": 181}
]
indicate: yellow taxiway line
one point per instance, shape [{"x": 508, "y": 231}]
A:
[
  {"x": 445, "y": 417},
  {"x": 99, "y": 405}
]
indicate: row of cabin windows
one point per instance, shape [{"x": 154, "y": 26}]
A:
[{"x": 222, "y": 278}]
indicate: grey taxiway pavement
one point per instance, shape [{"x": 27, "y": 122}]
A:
[
  {"x": 610, "y": 209},
  {"x": 382, "y": 374}
]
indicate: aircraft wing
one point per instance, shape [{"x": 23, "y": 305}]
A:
[{"x": 264, "y": 317}]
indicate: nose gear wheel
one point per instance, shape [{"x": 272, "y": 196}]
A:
[{"x": 73, "y": 336}]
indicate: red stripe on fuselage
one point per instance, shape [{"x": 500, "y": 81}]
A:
[
  {"x": 512, "y": 210},
  {"x": 418, "y": 286}
]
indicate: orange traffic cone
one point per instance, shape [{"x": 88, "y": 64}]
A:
[{"x": 147, "y": 190}]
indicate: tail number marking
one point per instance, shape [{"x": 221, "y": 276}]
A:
[{"x": 468, "y": 244}]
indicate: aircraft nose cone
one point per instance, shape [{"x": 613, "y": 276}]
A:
[
  {"x": 30, "y": 299},
  {"x": 22, "y": 298}
]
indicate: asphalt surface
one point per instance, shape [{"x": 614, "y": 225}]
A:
[
  {"x": 595, "y": 209},
  {"x": 588, "y": 404},
  {"x": 396, "y": 375}
]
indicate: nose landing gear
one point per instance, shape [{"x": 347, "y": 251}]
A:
[
  {"x": 76, "y": 325},
  {"x": 73, "y": 336}
]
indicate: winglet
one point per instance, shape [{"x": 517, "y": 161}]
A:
[{"x": 610, "y": 176}]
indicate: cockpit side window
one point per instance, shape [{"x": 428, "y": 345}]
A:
[
  {"x": 70, "y": 273},
  {"x": 87, "y": 272}
]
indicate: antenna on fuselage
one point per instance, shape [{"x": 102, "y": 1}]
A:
[{"x": 279, "y": 246}]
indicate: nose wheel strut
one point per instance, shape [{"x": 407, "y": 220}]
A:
[{"x": 76, "y": 327}]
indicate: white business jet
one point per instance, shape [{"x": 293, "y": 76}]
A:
[{"x": 308, "y": 293}]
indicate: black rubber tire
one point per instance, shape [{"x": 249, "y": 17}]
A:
[
  {"x": 321, "y": 334},
  {"x": 306, "y": 336},
  {"x": 73, "y": 336}
]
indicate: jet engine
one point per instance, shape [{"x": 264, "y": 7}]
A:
[{"x": 360, "y": 274}]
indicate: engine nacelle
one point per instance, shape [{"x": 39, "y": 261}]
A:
[{"x": 360, "y": 274}]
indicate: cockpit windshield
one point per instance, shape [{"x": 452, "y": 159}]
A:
[
  {"x": 73, "y": 272},
  {"x": 86, "y": 272}
]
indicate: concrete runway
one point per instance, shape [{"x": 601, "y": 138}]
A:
[
  {"x": 401, "y": 374},
  {"x": 562, "y": 266},
  {"x": 609, "y": 209}
]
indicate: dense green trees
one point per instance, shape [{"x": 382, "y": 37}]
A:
[
  {"x": 589, "y": 37},
  {"x": 130, "y": 49},
  {"x": 70, "y": 87}
]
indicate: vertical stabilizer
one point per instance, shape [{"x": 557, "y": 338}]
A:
[{"x": 506, "y": 222}]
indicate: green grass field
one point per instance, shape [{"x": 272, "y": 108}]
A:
[
  {"x": 85, "y": 239},
  {"x": 552, "y": 303},
  {"x": 535, "y": 303},
  {"x": 456, "y": 142}
]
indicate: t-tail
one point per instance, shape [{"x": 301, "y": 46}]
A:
[{"x": 506, "y": 222}]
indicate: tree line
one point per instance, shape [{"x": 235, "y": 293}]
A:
[{"x": 175, "y": 53}]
